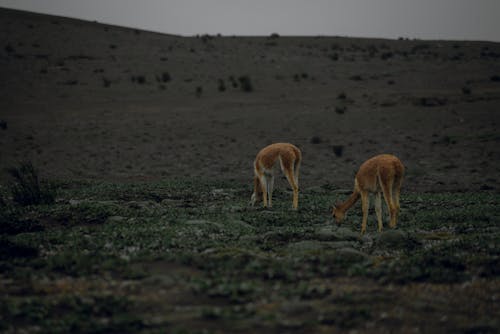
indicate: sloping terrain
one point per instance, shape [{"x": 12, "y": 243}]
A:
[{"x": 90, "y": 101}]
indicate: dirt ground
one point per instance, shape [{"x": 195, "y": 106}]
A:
[{"x": 84, "y": 100}]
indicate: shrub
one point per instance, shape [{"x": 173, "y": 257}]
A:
[
  {"x": 26, "y": 187},
  {"x": 495, "y": 78},
  {"x": 316, "y": 140},
  {"x": 245, "y": 83},
  {"x": 165, "y": 77},
  {"x": 106, "y": 82},
  {"x": 338, "y": 150},
  {"x": 221, "y": 85},
  {"x": 199, "y": 91},
  {"x": 340, "y": 109}
]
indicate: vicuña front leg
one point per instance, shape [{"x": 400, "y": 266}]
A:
[
  {"x": 291, "y": 179},
  {"x": 263, "y": 182}
]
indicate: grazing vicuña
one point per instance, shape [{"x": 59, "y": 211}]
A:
[
  {"x": 289, "y": 157},
  {"x": 382, "y": 173}
]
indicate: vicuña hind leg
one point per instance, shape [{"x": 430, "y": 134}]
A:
[
  {"x": 396, "y": 193},
  {"x": 387, "y": 191},
  {"x": 378, "y": 210},
  {"x": 365, "y": 204},
  {"x": 270, "y": 186}
]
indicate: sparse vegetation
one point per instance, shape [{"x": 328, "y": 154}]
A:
[
  {"x": 129, "y": 259},
  {"x": 140, "y": 79},
  {"x": 431, "y": 101},
  {"x": 26, "y": 187}
]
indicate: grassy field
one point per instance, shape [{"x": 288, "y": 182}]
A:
[{"x": 189, "y": 256}]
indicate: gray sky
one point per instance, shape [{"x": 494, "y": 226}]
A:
[{"x": 426, "y": 19}]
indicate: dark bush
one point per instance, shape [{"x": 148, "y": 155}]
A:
[
  {"x": 165, "y": 77},
  {"x": 245, "y": 83},
  {"x": 3, "y": 124},
  {"x": 199, "y": 91},
  {"x": 338, "y": 150},
  {"x": 340, "y": 109},
  {"x": 106, "y": 82},
  {"x": 495, "y": 78},
  {"x": 221, "y": 85},
  {"x": 316, "y": 140},
  {"x": 26, "y": 187}
]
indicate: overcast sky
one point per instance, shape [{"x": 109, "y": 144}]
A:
[{"x": 426, "y": 19}]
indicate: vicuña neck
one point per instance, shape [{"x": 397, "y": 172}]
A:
[{"x": 349, "y": 202}]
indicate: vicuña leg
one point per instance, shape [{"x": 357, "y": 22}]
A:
[
  {"x": 291, "y": 179},
  {"x": 365, "y": 204},
  {"x": 396, "y": 193},
  {"x": 270, "y": 187},
  {"x": 263, "y": 182},
  {"x": 378, "y": 210},
  {"x": 387, "y": 191}
]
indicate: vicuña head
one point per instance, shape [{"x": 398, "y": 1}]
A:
[
  {"x": 382, "y": 174},
  {"x": 289, "y": 157},
  {"x": 338, "y": 214}
]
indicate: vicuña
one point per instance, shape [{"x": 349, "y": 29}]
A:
[
  {"x": 289, "y": 157},
  {"x": 380, "y": 174}
]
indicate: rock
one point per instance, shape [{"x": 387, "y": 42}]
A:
[
  {"x": 115, "y": 219},
  {"x": 295, "y": 308},
  {"x": 306, "y": 246},
  {"x": 342, "y": 244},
  {"x": 334, "y": 233},
  {"x": 351, "y": 255},
  {"x": 241, "y": 225},
  {"x": 395, "y": 239},
  {"x": 202, "y": 223}
]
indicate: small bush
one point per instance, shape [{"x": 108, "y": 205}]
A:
[
  {"x": 221, "y": 85},
  {"x": 316, "y": 140},
  {"x": 26, "y": 188},
  {"x": 199, "y": 91},
  {"x": 3, "y": 124},
  {"x": 338, "y": 150},
  {"x": 245, "y": 83},
  {"x": 340, "y": 109},
  {"x": 495, "y": 78},
  {"x": 106, "y": 82},
  {"x": 165, "y": 77}
]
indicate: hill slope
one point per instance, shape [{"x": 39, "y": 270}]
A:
[{"x": 93, "y": 101}]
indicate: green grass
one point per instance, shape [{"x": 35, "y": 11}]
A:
[{"x": 191, "y": 256}]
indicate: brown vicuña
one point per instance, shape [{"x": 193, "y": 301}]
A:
[
  {"x": 289, "y": 157},
  {"x": 382, "y": 173}
]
